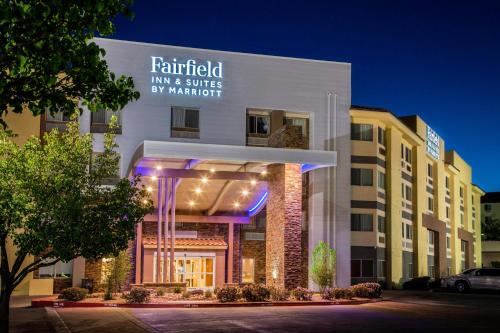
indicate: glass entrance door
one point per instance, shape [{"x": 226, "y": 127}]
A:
[{"x": 198, "y": 272}]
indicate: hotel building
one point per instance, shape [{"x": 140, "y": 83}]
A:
[
  {"x": 490, "y": 213},
  {"x": 247, "y": 158},
  {"x": 414, "y": 208}
]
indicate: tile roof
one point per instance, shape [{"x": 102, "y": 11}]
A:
[{"x": 190, "y": 242}]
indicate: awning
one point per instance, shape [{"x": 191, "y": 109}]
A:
[{"x": 190, "y": 243}]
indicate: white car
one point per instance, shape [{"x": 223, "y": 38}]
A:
[{"x": 475, "y": 278}]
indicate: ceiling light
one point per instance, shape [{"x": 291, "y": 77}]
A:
[
  {"x": 204, "y": 180},
  {"x": 158, "y": 167},
  {"x": 263, "y": 172},
  {"x": 191, "y": 203},
  {"x": 144, "y": 201},
  {"x": 236, "y": 205},
  {"x": 244, "y": 192},
  {"x": 253, "y": 182},
  {"x": 154, "y": 178},
  {"x": 197, "y": 190},
  {"x": 150, "y": 189},
  {"x": 212, "y": 170}
]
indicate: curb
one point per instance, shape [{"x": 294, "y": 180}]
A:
[{"x": 67, "y": 304}]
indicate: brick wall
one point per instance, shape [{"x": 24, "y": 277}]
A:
[{"x": 284, "y": 228}]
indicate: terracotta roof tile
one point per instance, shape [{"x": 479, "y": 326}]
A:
[{"x": 190, "y": 242}]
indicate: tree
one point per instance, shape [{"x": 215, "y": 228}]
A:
[
  {"x": 323, "y": 265},
  {"x": 48, "y": 60},
  {"x": 490, "y": 228},
  {"x": 54, "y": 208},
  {"x": 118, "y": 274}
]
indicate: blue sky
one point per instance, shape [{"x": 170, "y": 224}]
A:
[{"x": 438, "y": 59}]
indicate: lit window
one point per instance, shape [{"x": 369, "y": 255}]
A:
[
  {"x": 185, "y": 122},
  {"x": 362, "y": 132},
  {"x": 248, "y": 270},
  {"x": 381, "y": 136}
]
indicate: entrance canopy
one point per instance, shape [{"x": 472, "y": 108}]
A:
[{"x": 218, "y": 180}]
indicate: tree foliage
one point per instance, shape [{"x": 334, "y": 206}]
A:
[
  {"x": 53, "y": 206},
  {"x": 491, "y": 229},
  {"x": 323, "y": 265},
  {"x": 48, "y": 60}
]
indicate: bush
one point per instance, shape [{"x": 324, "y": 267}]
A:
[
  {"x": 73, "y": 294},
  {"x": 418, "y": 283},
  {"x": 227, "y": 294},
  {"x": 177, "y": 290},
  {"x": 255, "y": 293},
  {"x": 337, "y": 293},
  {"x": 137, "y": 295},
  {"x": 186, "y": 294},
  {"x": 302, "y": 294},
  {"x": 160, "y": 291},
  {"x": 367, "y": 290},
  {"x": 279, "y": 294},
  {"x": 323, "y": 265},
  {"x": 208, "y": 294}
]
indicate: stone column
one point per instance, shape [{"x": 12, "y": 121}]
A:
[
  {"x": 283, "y": 226},
  {"x": 158, "y": 231}
]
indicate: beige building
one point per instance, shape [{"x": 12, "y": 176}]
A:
[{"x": 414, "y": 209}]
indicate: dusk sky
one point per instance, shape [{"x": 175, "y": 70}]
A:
[{"x": 437, "y": 59}]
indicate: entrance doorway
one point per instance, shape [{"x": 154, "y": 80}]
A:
[{"x": 198, "y": 271}]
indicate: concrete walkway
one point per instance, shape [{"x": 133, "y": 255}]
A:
[{"x": 27, "y": 320}]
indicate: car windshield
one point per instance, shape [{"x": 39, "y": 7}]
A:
[{"x": 468, "y": 271}]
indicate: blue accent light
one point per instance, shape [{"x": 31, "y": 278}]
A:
[{"x": 255, "y": 209}]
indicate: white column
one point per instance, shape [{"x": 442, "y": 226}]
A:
[
  {"x": 165, "y": 232},
  {"x": 158, "y": 232},
  {"x": 230, "y": 249},
  {"x": 172, "y": 233}
]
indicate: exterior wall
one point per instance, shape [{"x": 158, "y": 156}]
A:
[
  {"x": 491, "y": 212},
  {"x": 412, "y": 133}
]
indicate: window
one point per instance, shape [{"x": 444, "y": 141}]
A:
[
  {"x": 185, "y": 122},
  {"x": 403, "y": 230},
  {"x": 430, "y": 204},
  {"x": 408, "y": 193},
  {"x": 487, "y": 207},
  {"x": 60, "y": 269},
  {"x": 430, "y": 235},
  {"x": 381, "y": 136},
  {"x": 258, "y": 124},
  {"x": 447, "y": 212},
  {"x": 362, "y": 132},
  {"x": 381, "y": 268},
  {"x": 410, "y": 270},
  {"x": 429, "y": 170},
  {"x": 58, "y": 116},
  {"x": 448, "y": 242},
  {"x": 447, "y": 182},
  {"x": 381, "y": 180},
  {"x": 248, "y": 270},
  {"x": 409, "y": 231},
  {"x": 461, "y": 192},
  {"x": 408, "y": 155},
  {"x": 472, "y": 199},
  {"x": 462, "y": 222},
  {"x": 302, "y": 122},
  {"x": 362, "y": 177},
  {"x": 361, "y": 268},
  {"x": 381, "y": 224},
  {"x": 99, "y": 121},
  {"x": 361, "y": 222}
]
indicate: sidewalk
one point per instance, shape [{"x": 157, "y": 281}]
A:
[{"x": 28, "y": 320}]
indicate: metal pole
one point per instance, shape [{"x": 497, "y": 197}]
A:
[
  {"x": 165, "y": 230},
  {"x": 158, "y": 232},
  {"x": 172, "y": 233}
]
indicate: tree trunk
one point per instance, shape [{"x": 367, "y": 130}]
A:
[{"x": 4, "y": 311}]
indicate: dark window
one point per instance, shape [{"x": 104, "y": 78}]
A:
[
  {"x": 185, "y": 122},
  {"x": 361, "y": 222},
  {"x": 381, "y": 180},
  {"x": 381, "y": 136},
  {"x": 302, "y": 122},
  {"x": 429, "y": 170},
  {"x": 381, "y": 268},
  {"x": 381, "y": 224},
  {"x": 258, "y": 124},
  {"x": 356, "y": 268},
  {"x": 99, "y": 121},
  {"x": 362, "y": 132},
  {"x": 362, "y": 177},
  {"x": 447, "y": 182},
  {"x": 487, "y": 207},
  {"x": 367, "y": 268}
]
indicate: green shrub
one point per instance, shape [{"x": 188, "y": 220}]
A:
[
  {"x": 187, "y": 294},
  {"x": 160, "y": 291},
  {"x": 137, "y": 295},
  {"x": 337, "y": 293},
  {"x": 302, "y": 294},
  {"x": 279, "y": 294},
  {"x": 208, "y": 294},
  {"x": 73, "y": 294},
  {"x": 255, "y": 293},
  {"x": 227, "y": 294},
  {"x": 177, "y": 290},
  {"x": 323, "y": 265},
  {"x": 367, "y": 290}
]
